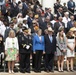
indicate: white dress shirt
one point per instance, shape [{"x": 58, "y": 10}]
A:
[
  {"x": 2, "y": 28},
  {"x": 65, "y": 20}
]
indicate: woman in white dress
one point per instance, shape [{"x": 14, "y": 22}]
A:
[
  {"x": 70, "y": 50},
  {"x": 11, "y": 50}
]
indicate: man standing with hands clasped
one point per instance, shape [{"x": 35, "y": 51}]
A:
[
  {"x": 71, "y": 6},
  {"x": 24, "y": 50}
]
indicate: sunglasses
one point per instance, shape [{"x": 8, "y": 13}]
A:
[
  {"x": 26, "y": 32},
  {"x": 61, "y": 30},
  {"x": 37, "y": 18},
  {"x": 33, "y": 23},
  {"x": 12, "y": 25}
]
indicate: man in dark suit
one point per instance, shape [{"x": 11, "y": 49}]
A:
[
  {"x": 50, "y": 48},
  {"x": 1, "y": 50},
  {"x": 42, "y": 18},
  {"x": 1, "y": 0},
  {"x": 11, "y": 27},
  {"x": 56, "y": 6},
  {"x": 24, "y": 8},
  {"x": 6, "y": 10},
  {"x": 42, "y": 21},
  {"x": 43, "y": 25},
  {"x": 60, "y": 12},
  {"x": 70, "y": 24},
  {"x": 30, "y": 19},
  {"x": 71, "y": 5},
  {"x": 58, "y": 24},
  {"x": 25, "y": 43},
  {"x": 14, "y": 8},
  {"x": 48, "y": 13}
]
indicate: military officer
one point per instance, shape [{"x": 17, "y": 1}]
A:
[{"x": 25, "y": 44}]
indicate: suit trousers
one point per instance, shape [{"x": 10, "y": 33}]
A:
[
  {"x": 38, "y": 58},
  {"x": 49, "y": 61},
  {"x": 72, "y": 10},
  {"x": 25, "y": 62},
  {"x": 33, "y": 60},
  {"x": 1, "y": 61}
]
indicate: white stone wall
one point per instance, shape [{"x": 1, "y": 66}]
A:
[
  {"x": 65, "y": 1},
  {"x": 50, "y": 3},
  {"x": 47, "y": 3}
]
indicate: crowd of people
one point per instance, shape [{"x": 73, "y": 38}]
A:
[{"x": 29, "y": 32}]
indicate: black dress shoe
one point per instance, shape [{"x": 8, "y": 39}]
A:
[
  {"x": 22, "y": 71},
  {"x": 35, "y": 70},
  {"x": 52, "y": 71},
  {"x": 27, "y": 71},
  {"x": 1, "y": 67},
  {"x": 39, "y": 71},
  {"x": 47, "y": 71}
]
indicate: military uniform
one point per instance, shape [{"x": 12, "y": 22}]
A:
[
  {"x": 25, "y": 44},
  {"x": 1, "y": 50}
]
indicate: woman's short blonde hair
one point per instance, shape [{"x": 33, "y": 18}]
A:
[
  {"x": 68, "y": 33},
  {"x": 75, "y": 24},
  {"x": 12, "y": 32},
  {"x": 39, "y": 30}
]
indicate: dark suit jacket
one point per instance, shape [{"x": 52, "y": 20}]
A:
[
  {"x": 35, "y": 7},
  {"x": 1, "y": 44},
  {"x": 9, "y": 11},
  {"x": 56, "y": 27},
  {"x": 43, "y": 26},
  {"x": 70, "y": 5},
  {"x": 69, "y": 25},
  {"x": 51, "y": 16},
  {"x": 14, "y": 10},
  {"x": 50, "y": 47},
  {"x": 24, "y": 9},
  {"x": 56, "y": 7},
  {"x": 1, "y": 0},
  {"x": 23, "y": 40},
  {"x": 29, "y": 21},
  {"x": 41, "y": 23},
  {"x": 58, "y": 15}
]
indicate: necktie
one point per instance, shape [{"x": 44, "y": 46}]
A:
[
  {"x": 72, "y": 22},
  {"x": 60, "y": 14},
  {"x": 51, "y": 39}
]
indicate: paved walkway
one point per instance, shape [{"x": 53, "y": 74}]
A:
[{"x": 42, "y": 73}]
